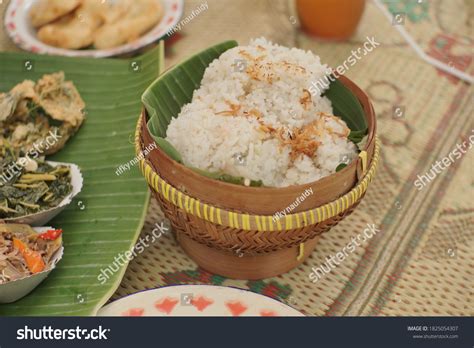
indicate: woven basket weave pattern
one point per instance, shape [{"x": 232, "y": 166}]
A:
[{"x": 233, "y": 239}]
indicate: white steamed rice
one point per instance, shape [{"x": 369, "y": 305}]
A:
[{"x": 252, "y": 104}]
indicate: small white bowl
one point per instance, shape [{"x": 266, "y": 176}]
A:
[
  {"x": 16, "y": 289},
  {"x": 18, "y": 27},
  {"x": 44, "y": 216}
]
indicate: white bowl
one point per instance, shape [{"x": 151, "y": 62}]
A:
[
  {"x": 18, "y": 27},
  {"x": 42, "y": 217},
  {"x": 16, "y": 289}
]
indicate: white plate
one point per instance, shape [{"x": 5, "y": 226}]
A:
[
  {"x": 19, "y": 29},
  {"x": 17, "y": 289},
  {"x": 198, "y": 301}
]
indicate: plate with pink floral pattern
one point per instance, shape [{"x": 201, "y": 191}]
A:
[
  {"x": 198, "y": 300},
  {"x": 18, "y": 26}
]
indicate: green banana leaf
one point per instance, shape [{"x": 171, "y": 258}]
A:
[
  {"x": 171, "y": 91},
  {"x": 105, "y": 219},
  {"x": 341, "y": 167},
  {"x": 347, "y": 106},
  {"x": 168, "y": 148},
  {"x": 238, "y": 180},
  {"x": 167, "y": 95},
  {"x": 356, "y": 136}
]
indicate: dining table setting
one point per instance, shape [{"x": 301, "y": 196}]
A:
[{"x": 143, "y": 228}]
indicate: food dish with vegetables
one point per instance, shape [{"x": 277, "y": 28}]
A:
[
  {"x": 37, "y": 119},
  {"x": 25, "y": 252},
  {"x": 31, "y": 188},
  {"x": 40, "y": 116},
  {"x": 91, "y": 153}
]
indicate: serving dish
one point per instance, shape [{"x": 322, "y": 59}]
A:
[
  {"x": 14, "y": 290},
  {"x": 18, "y": 27},
  {"x": 229, "y": 229},
  {"x": 106, "y": 217},
  {"x": 197, "y": 301},
  {"x": 42, "y": 217}
]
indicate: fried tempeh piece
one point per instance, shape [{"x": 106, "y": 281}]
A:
[
  {"x": 30, "y": 108},
  {"x": 60, "y": 99}
]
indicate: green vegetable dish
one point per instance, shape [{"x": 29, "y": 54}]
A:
[{"x": 29, "y": 186}]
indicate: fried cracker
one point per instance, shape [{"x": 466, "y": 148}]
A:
[
  {"x": 75, "y": 30},
  {"x": 47, "y": 11},
  {"x": 129, "y": 21}
]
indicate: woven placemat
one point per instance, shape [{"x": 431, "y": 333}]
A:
[{"x": 421, "y": 262}]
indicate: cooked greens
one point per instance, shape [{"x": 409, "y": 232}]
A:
[{"x": 28, "y": 186}]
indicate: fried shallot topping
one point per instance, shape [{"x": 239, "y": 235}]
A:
[
  {"x": 259, "y": 71},
  {"x": 305, "y": 100},
  {"x": 234, "y": 109},
  {"x": 301, "y": 139},
  {"x": 253, "y": 112}
]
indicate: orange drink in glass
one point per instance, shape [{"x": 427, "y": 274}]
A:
[{"x": 330, "y": 19}]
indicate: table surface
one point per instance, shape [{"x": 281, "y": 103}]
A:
[{"x": 421, "y": 261}]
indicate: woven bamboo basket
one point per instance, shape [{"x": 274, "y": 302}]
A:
[
  {"x": 229, "y": 229},
  {"x": 242, "y": 245}
]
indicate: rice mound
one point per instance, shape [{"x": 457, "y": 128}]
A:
[{"x": 254, "y": 117}]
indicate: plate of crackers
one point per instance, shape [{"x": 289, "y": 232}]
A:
[{"x": 90, "y": 28}]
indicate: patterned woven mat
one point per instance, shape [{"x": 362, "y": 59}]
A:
[{"x": 421, "y": 263}]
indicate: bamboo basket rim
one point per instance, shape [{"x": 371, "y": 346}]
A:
[{"x": 234, "y": 219}]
